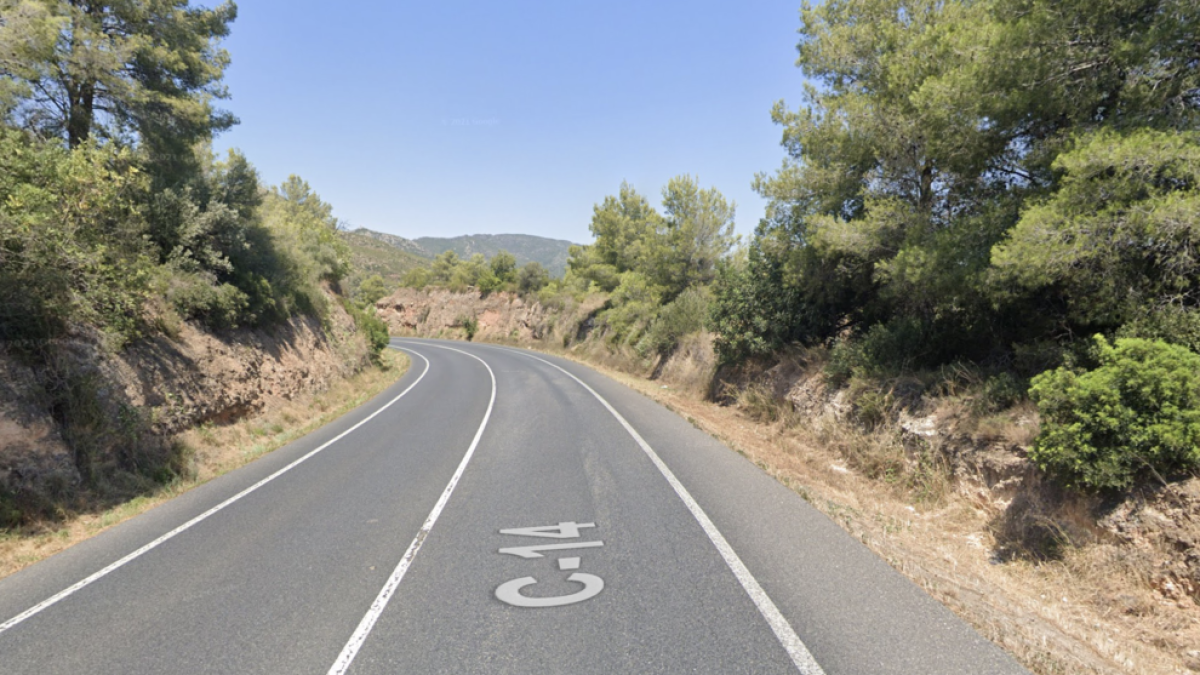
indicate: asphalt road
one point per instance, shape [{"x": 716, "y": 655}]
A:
[{"x": 496, "y": 511}]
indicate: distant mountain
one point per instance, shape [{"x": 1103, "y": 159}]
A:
[
  {"x": 551, "y": 253},
  {"x": 387, "y": 255},
  {"x": 397, "y": 241}
]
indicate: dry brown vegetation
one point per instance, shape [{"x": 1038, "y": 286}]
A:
[
  {"x": 930, "y": 471},
  {"x": 214, "y": 449},
  {"x": 1026, "y": 564}
]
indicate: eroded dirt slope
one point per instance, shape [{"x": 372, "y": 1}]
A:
[{"x": 87, "y": 407}]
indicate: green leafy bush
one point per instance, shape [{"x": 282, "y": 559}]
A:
[
  {"x": 630, "y": 310},
  {"x": 684, "y": 315},
  {"x": 1136, "y": 414},
  {"x": 470, "y": 324},
  {"x": 71, "y": 247},
  {"x": 371, "y": 290},
  {"x": 532, "y": 278},
  {"x": 885, "y": 349},
  {"x": 373, "y": 327},
  {"x": 196, "y": 295}
]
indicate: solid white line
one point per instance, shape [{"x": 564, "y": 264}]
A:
[
  {"x": 71, "y": 590},
  {"x": 801, "y": 657},
  {"x": 368, "y": 621}
]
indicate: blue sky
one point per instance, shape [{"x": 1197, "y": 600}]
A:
[{"x": 463, "y": 117}]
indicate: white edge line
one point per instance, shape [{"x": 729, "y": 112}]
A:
[
  {"x": 801, "y": 657},
  {"x": 71, "y": 590},
  {"x": 359, "y": 637}
]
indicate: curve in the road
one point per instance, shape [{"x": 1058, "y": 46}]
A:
[
  {"x": 674, "y": 578},
  {"x": 96, "y": 576},
  {"x": 355, "y": 643}
]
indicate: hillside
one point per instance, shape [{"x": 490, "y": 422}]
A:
[
  {"x": 387, "y": 255},
  {"x": 551, "y": 253},
  {"x": 393, "y": 240}
]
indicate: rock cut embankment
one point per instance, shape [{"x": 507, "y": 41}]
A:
[{"x": 86, "y": 413}]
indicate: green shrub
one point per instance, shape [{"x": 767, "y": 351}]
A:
[
  {"x": 470, "y": 324},
  {"x": 532, "y": 278},
  {"x": 377, "y": 333},
  {"x": 630, "y": 310},
  {"x": 373, "y": 327},
  {"x": 999, "y": 392},
  {"x": 71, "y": 245},
  {"x": 199, "y": 296},
  {"x": 887, "y": 349},
  {"x": 372, "y": 290},
  {"x": 684, "y": 315},
  {"x": 1136, "y": 414}
]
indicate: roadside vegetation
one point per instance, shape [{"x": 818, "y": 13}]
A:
[
  {"x": 993, "y": 188},
  {"x": 978, "y": 256},
  {"x": 118, "y": 223},
  {"x": 208, "y": 451},
  {"x": 486, "y": 275},
  {"x": 987, "y": 216},
  {"x": 975, "y": 196}
]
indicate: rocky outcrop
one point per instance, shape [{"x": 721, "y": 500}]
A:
[
  {"x": 1031, "y": 513},
  {"x": 1163, "y": 522},
  {"x": 85, "y": 407},
  {"x": 200, "y": 377},
  {"x": 497, "y": 316}
]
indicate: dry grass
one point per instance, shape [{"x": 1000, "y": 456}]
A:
[
  {"x": 692, "y": 366},
  {"x": 1091, "y": 610},
  {"x": 217, "y": 450}
]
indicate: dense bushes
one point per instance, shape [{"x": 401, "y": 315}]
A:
[
  {"x": 656, "y": 268},
  {"x": 977, "y": 185},
  {"x": 374, "y": 328},
  {"x": 71, "y": 245},
  {"x": 116, "y": 218},
  {"x": 84, "y": 239},
  {"x": 485, "y": 275},
  {"x": 1135, "y": 415},
  {"x": 1001, "y": 198},
  {"x": 685, "y": 315}
]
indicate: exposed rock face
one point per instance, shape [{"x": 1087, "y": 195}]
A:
[
  {"x": 1164, "y": 522},
  {"x": 992, "y": 470},
  {"x": 201, "y": 377},
  {"x": 438, "y": 312},
  {"x": 163, "y": 384},
  {"x": 33, "y": 455},
  {"x": 1161, "y": 522}
]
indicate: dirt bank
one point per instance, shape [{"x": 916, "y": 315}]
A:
[
  {"x": 1068, "y": 583},
  {"x": 83, "y": 421}
]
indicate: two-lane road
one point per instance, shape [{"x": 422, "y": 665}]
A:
[{"x": 496, "y": 511}]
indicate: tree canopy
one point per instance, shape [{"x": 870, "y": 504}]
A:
[
  {"x": 987, "y": 173},
  {"x": 139, "y": 72}
]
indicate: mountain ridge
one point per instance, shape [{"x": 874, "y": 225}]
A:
[{"x": 550, "y": 253}]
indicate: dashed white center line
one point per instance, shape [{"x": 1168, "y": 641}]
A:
[
  {"x": 93, "y": 578},
  {"x": 359, "y": 637}
]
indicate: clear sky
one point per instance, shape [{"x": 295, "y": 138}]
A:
[{"x": 454, "y": 117}]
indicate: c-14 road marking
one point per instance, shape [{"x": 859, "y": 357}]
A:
[
  {"x": 509, "y": 592},
  {"x": 801, "y": 657}
]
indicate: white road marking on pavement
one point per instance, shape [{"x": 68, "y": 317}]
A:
[
  {"x": 566, "y": 564},
  {"x": 71, "y": 590},
  {"x": 359, "y": 637},
  {"x": 801, "y": 657},
  {"x": 559, "y": 531},
  {"x": 510, "y": 592},
  {"x": 532, "y": 551}
]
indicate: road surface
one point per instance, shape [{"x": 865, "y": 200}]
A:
[{"x": 495, "y": 511}]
